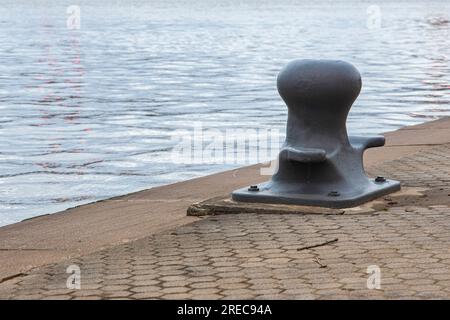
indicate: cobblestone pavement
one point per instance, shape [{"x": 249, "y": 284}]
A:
[{"x": 270, "y": 256}]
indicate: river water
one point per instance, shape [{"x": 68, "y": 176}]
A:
[{"x": 92, "y": 112}]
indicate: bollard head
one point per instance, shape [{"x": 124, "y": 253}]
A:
[{"x": 319, "y": 84}]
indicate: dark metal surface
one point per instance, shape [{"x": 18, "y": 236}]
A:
[{"x": 319, "y": 164}]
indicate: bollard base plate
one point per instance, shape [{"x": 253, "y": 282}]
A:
[{"x": 329, "y": 199}]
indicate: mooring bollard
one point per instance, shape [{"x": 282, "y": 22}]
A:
[{"x": 319, "y": 164}]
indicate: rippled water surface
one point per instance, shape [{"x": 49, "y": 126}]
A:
[{"x": 88, "y": 114}]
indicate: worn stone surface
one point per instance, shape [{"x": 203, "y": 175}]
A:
[
  {"x": 225, "y": 205},
  {"x": 257, "y": 256}
]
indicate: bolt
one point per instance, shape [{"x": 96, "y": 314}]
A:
[
  {"x": 334, "y": 194},
  {"x": 253, "y": 188},
  {"x": 380, "y": 179}
]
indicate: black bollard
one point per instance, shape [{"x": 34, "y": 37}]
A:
[{"x": 319, "y": 165}]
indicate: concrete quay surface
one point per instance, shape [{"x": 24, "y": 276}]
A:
[{"x": 143, "y": 245}]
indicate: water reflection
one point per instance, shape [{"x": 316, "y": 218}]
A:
[{"x": 88, "y": 114}]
